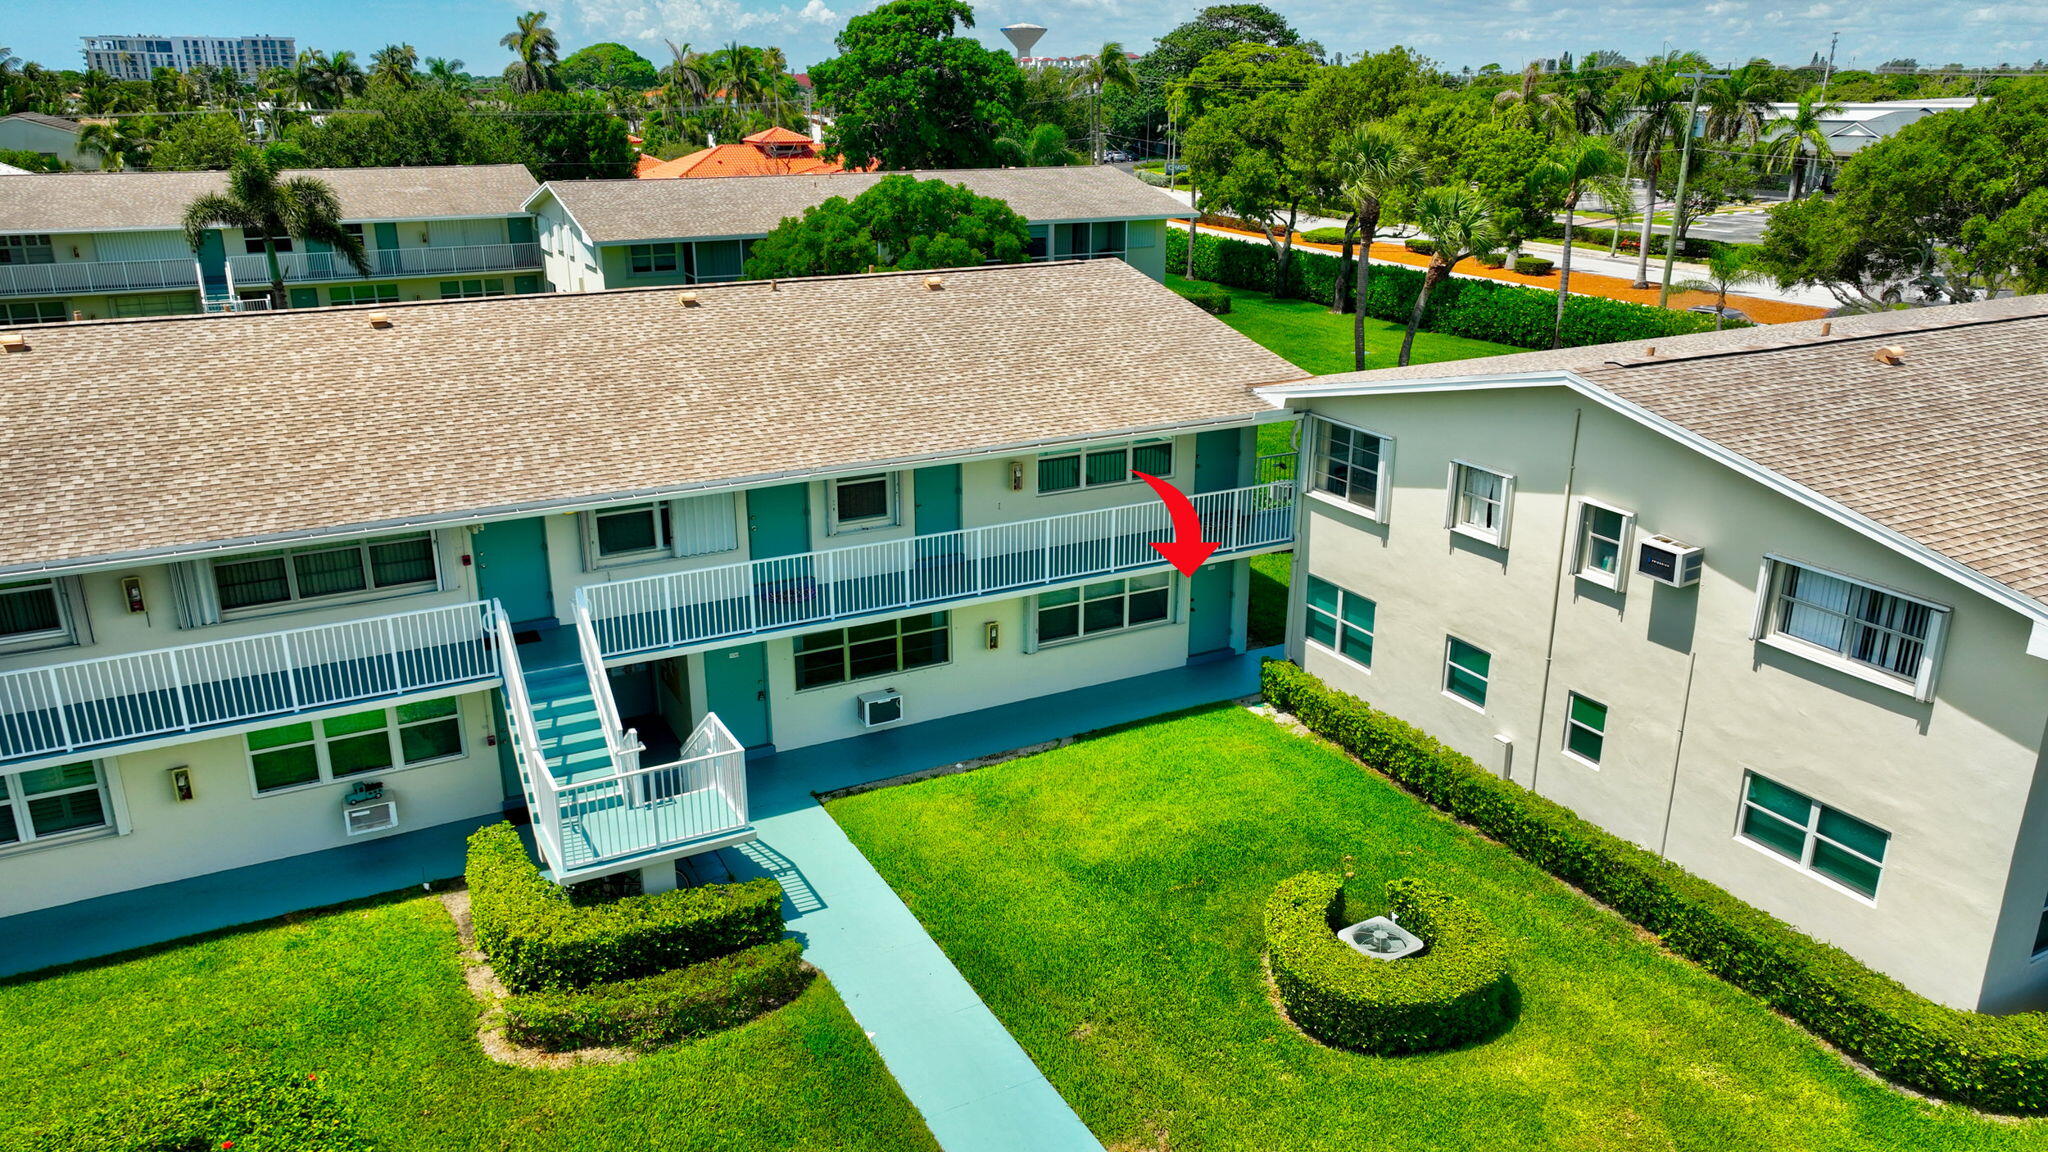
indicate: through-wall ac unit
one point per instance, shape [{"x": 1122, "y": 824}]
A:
[
  {"x": 1669, "y": 561},
  {"x": 362, "y": 819},
  {"x": 879, "y": 708}
]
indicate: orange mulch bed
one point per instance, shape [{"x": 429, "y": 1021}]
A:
[{"x": 1583, "y": 283}]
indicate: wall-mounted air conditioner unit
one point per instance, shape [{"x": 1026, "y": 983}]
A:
[
  {"x": 879, "y": 708},
  {"x": 362, "y": 819},
  {"x": 1669, "y": 561}
]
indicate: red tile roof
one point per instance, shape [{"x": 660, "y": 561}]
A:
[{"x": 773, "y": 152}]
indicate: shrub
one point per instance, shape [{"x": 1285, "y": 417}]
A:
[
  {"x": 681, "y": 1004},
  {"x": 1324, "y": 235},
  {"x": 1454, "y": 993},
  {"x": 1534, "y": 265},
  {"x": 1494, "y": 260},
  {"x": 1208, "y": 298},
  {"x": 537, "y": 939},
  {"x": 255, "y": 1111},
  {"x": 1421, "y": 247},
  {"x": 1150, "y": 166},
  {"x": 1995, "y": 1062}
]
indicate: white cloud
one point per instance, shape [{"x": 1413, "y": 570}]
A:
[{"x": 815, "y": 12}]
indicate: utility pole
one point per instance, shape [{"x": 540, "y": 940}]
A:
[
  {"x": 1692, "y": 116},
  {"x": 1828, "y": 73}
]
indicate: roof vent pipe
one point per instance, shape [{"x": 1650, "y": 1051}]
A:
[
  {"x": 14, "y": 342},
  {"x": 379, "y": 320},
  {"x": 933, "y": 283},
  {"x": 1891, "y": 354}
]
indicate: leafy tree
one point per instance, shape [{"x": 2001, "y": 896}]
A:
[
  {"x": 1796, "y": 139},
  {"x": 1044, "y": 146},
  {"x": 906, "y": 91},
  {"x": 1378, "y": 166},
  {"x": 1459, "y": 221},
  {"x": 1240, "y": 104},
  {"x": 198, "y": 143},
  {"x": 393, "y": 128},
  {"x": 1579, "y": 164},
  {"x": 32, "y": 161},
  {"x": 446, "y": 75},
  {"x": 1501, "y": 157},
  {"x": 396, "y": 65},
  {"x": 261, "y": 204},
  {"x": 1729, "y": 266},
  {"x": 900, "y": 223},
  {"x": 1142, "y": 113},
  {"x": 572, "y": 137},
  {"x": 534, "y": 48},
  {"x": 605, "y": 66},
  {"x": 118, "y": 144}
]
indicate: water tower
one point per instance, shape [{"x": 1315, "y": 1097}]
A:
[{"x": 1023, "y": 37}]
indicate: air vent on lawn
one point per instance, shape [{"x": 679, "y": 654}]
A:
[{"x": 1381, "y": 939}]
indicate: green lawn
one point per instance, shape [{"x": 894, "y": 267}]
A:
[
  {"x": 371, "y": 999},
  {"x": 1113, "y": 924},
  {"x": 1268, "y": 611}
]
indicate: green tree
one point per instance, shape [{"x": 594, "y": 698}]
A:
[
  {"x": 398, "y": 128},
  {"x": 1738, "y": 105},
  {"x": 1044, "y": 146},
  {"x": 1501, "y": 156},
  {"x": 1242, "y": 151},
  {"x": 1378, "y": 167},
  {"x": 261, "y": 204},
  {"x": 342, "y": 77},
  {"x": 572, "y": 136},
  {"x": 1658, "y": 103},
  {"x": 118, "y": 144},
  {"x": 1729, "y": 266},
  {"x": 446, "y": 75},
  {"x": 534, "y": 50},
  {"x": 1798, "y": 139},
  {"x": 602, "y": 67},
  {"x": 1110, "y": 68},
  {"x": 899, "y": 223},
  {"x": 396, "y": 65},
  {"x": 1459, "y": 221},
  {"x": 199, "y": 143},
  {"x": 1578, "y": 165},
  {"x": 906, "y": 91}
]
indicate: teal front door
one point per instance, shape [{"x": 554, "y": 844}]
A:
[
  {"x": 778, "y": 521},
  {"x": 938, "y": 499},
  {"x": 1211, "y": 608},
  {"x": 213, "y": 262},
  {"x": 512, "y": 568},
  {"x": 386, "y": 237},
  {"x": 1217, "y": 453},
  {"x": 736, "y": 690}
]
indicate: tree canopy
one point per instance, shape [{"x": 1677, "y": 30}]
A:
[
  {"x": 907, "y": 91},
  {"x": 606, "y": 66},
  {"x": 900, "y": 223}
]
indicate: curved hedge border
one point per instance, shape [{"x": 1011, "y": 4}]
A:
[
  {"x": 1456, "y": 992},
  {"x": 254, "y": 1111},
  {"x": 681, "y": 1004},
  {"x": 537, "y": 939},
  {"x": 1476, "y": 309},
  {"x": 1993, "y": 1062}
]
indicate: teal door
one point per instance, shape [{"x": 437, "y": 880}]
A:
[
  {"x": 213, "y": 262},
  {"x": 1211, "y": 609},
  {"x": 778, "y": 521},
  {"x": 938, "y": 499},
  {"x": 386, "y": 260},
  {"x": 736, "y": 689},
  {"x": 1216, "y": 459},
  {"x": 512, "y": 568}
]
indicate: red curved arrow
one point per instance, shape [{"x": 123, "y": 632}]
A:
[{"x": 1187, "y": 549}]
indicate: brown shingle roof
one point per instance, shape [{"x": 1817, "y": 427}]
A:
[
  {"x": 611, "y": 211},
  {"x": 1948, "y": 449},
  {"x": 140, "y": 436},
  {"x": 96, "y": 201}
]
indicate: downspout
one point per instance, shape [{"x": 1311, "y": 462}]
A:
[
  {"x": 1564, "y": 541},
  {"x": 1677, "y": 752}
]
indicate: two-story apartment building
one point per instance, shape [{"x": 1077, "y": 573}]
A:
[
  {"x": 102, "y": 245},
  {"x": 1771, "y": 603},
  {"x": 289, "y": 580},
  {"x": 629, "y": 233}
]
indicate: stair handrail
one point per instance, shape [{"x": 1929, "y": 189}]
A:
[
  {"x": 541, "y": 792},
  {"x": 621, "y": 742}
]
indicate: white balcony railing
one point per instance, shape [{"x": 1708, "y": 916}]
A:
[
  {"x": 98, "y": 276},
  {"x": 682, "y": 609},
  {"x": 300, "y": 267},
  {"x": 87, "y": 706}
]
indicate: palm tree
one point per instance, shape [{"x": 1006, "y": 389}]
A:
[
  {"x": 1658, "y": 114},
  {"x": 1579, "y": 164},
  {"x": 306, "y": 84},
  {"x": 344, "y": 76},
  {"x": 1789, "y": 137},
  {"x": 1111, "y": 68},
  {"x": 118, "y": 144},
  {"x": 685, "y": 81},
  {"x": 1376, "y": 164},
  {"x": 261, "y": 204},
  {"x": 1738, "y": 104},
  {"x": 1044, "y": 146},
  {"x": 396, "y": 65},
  {"x": 1728, "y": 266},
  {"x": 535, "y": 46},
  {"x": 446, "y": 74},
  {"x": 1460, "y": 222},
  {"x": 1534, "y": 106}
]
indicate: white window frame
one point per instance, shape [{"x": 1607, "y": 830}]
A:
[
  {"x": 1319, "y": 429},
  {"x": 1764, "y": 629},
  {"x": 1174, "y": 596},
  {"x": 1454, "y": 497},
  {"x": 1338, "y": 623},
  {"x": 64, "y": 634},
  {"x": 295, "y": 602},
  {"x": 845, "y": 649},
  {"x": 1583, "y": 534},
  {"x": 1081, "y": 455},
  {"x": 1813, "y": 837},
  {"x": 890, "y": 517},
  {"x": 677, "y": 531},
  {"x": 15, "y": 802},
  {"x": 394, "y": 728},
  {"x": 1486, "y": 677},
  {"x": 664, "y": 534},
  {"x": 1570, "y": 723}
]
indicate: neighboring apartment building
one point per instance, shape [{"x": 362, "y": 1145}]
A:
[
  {"x": 1771, "y": 603},
  {"x": 771, "y": 152},
  {"x": 280, "y": 582},
  {"x": 52, "y": 136},
  {"x": 627, "y": 233},
  {"x": 110, "y": 244},
  {"x": 137, "y": 57},
  {"x": 1854, "y": 126}
]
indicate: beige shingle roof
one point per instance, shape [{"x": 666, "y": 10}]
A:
[
  {"x": 615, "y": 210},
  {"x": 1948, "y": 449},
  {"x": 98, "y": 201},
  {"x": 144, "y": 436}
]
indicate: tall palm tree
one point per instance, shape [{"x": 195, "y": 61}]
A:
[
  {"x": 685, "y": 81},
  {"x": 118, "y": 144},
  {"x": 1526, "y": 100},
  {"x": 446, "y": 74},
  {"x": 306, "y": 84},
  {"x": 1044, "y": 146},
  {"x": 1658, "y": 114},
  {"x": 344, "y": 77},
  {"x": 536, "y": 49},
  {"x": 1111, "y": 68},
  {"x": 1376, "y": 164},
  {"x": 1738, "y": 104},
  {"x": 1460, "y": 222},
  {"x": 260, "y": 203},
  {"x": 1728, "y": 266},
  {"x": 1797, "y": 139},
  {"x": 1579, "y": 164},
  {"x": 396, "y": 65}
]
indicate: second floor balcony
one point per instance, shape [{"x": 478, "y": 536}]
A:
[
  {"x": 307, "y": 267},
  {"x": 99, "y": 276}
]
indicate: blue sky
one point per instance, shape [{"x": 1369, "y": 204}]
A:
[{"x": 1457, "y": 32}]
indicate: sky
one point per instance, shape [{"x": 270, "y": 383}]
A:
[{"x": 1457, "y": 33}]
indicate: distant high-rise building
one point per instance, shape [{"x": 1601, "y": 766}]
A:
[{"x": 135, "y": 57}]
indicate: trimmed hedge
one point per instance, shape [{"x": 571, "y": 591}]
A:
[
  {"x": 1534, "y": 265},
  {"x": 537, "y": 939},
  {"x": 1630, "y": 240},
  {"x": 1476, "y": 309},
  {"x": 254, "y": 1111},
  {"x": 681, "y": 1004},
  {"x": 1421, "y": 247},
  {"x": 1456, "y": 992},
  {"x": 1209, "y": 298},
  {"x": 1992, "y": 1062},
  {"x": 1324, "y": 235}
]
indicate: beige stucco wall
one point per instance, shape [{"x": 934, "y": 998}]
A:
[
  {"x": 29, "y": 136},
  {"x": 1950, "y": 780}
]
